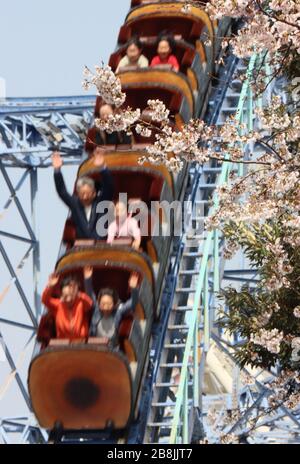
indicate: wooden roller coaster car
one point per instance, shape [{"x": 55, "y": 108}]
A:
[
  {"x": 149, "y": 20},
  {"x": 113, "y": 265},
  {"x": 85, "y": 384},
  {"x": 186, "y": 54},
  {"x": 147, "y": 183},
  {"x": 150, "y": 185},
  {"x": 173, "y": 89},
  {"x": 170, "y": 87},
  {"x": 135, "y": 3},
  {"x": 81, "y": 387},
  {"x": 150, "y": 182}
]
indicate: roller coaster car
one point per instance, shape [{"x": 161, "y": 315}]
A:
[
  {"x": 87, "y": 384},
  {"x": 172, "y": 88},
  {"x": 81, "y": 387},
  {"x": 150, "y": 19},
  {"x": 186, "y": 54},
  {"x": 146, "y": 183},
  {"x": 135, "y": 3},
  {"x": 92, "y": 140},
  {"x": 136, "y": 140},
  {"x": 113, "y": 265}
]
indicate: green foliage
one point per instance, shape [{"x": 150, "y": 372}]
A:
[{"x": 254, "y": 308}]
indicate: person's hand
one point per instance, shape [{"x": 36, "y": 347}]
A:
[
  {"x": 88, "y": 272},
  {"x": 99, "y": 157},
  {"x": 133, "y": 280},
  {"x": 136, "y": 245},
  {"x": 57, "y": 161},
  {"x": 53, "y": 280}
]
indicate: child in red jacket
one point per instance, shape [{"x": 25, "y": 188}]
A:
[{"x": 165, "y": 54}]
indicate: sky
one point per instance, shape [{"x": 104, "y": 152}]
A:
[
  {"x": 45, "y": 44},
  {"x": 44, "y": 47}
]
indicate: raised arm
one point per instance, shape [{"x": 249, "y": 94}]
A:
[
  {"x": 107, "y": 185},
  {"x": 135, "y": 232},
  {"x": 47, "y": 298},
  {"x": 88, "y": 286},
  {"x": 130, "y": 304},
  {"x": 107, "y": 179},
  {"x": 59, "y": 180},
  {"x": 88, "y": 283}
]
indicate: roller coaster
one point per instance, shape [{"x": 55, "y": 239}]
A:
[{"x": 93, "y": 393}]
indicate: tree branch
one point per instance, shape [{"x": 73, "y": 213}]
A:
[{"x": 274, "y": 16}]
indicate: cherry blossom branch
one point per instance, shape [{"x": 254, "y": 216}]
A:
[
  {"x": 277, "y": 72},
  {"x": 266, "y": 144},
  {"x": 250, "y": 174},
  {"x": 274, "y": 16},
  {"x": 228, "y": 160}
]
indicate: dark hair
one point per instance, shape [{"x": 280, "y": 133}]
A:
[
  {"x": 164, "y": 35},
  {"x": 67, "y": 280},
  {"x": 110, "y": 292},
  {"x": 134, "y": 40}
]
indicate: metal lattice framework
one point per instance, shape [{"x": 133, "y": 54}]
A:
[{"x": 29, "y": 131}]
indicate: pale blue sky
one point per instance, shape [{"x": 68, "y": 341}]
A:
[{"x": 46, "y": 43}]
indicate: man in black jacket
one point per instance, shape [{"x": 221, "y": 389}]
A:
[{"x": 83, "y": 206}]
